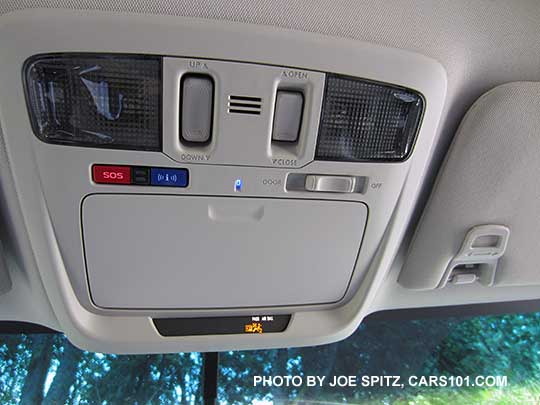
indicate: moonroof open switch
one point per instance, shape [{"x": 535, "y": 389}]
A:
[{"x": 287, "y": 116}]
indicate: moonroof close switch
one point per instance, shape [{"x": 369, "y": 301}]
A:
[
  {"x": 196, "y": 109},
  {"x": 287, "y": 116}
]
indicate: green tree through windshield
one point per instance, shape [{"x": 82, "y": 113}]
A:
[{"x": 47, "y": 369}]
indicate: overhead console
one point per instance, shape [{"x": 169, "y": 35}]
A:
[
  {"x": 185, "y": 188},
  {"x": 207, "y": 252}
]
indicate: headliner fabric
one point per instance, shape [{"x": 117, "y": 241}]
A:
[
  {"x": 491, "y": 176},
  {"x": 481, "y": 43}
]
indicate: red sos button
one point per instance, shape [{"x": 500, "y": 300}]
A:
[{"x": 111, "y": 174}]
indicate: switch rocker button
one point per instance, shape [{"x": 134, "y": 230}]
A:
[
  {"x": 287, "y": 116},
  {"x": 140, "y": 176},
  {"x": 196, "y": 108},
  {"x": 330, "y": 184}
]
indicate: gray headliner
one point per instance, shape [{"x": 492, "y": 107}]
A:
[{"x": 481, "y": 44}]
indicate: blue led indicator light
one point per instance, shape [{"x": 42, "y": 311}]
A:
[{"x": 238, "y": 185}]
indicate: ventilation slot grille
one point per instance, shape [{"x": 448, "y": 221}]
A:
[{"x": 245, "y": 105}]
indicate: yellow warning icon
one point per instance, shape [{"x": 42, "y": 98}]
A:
[{"x": 254, "y": 327}]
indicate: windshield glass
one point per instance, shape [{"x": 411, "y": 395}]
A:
[{"x": 481, "y": 359}]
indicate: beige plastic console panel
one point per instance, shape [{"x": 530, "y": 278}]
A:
[
  {"x": 52, "y": 181},
  {"x": 147, "y": 251}
]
